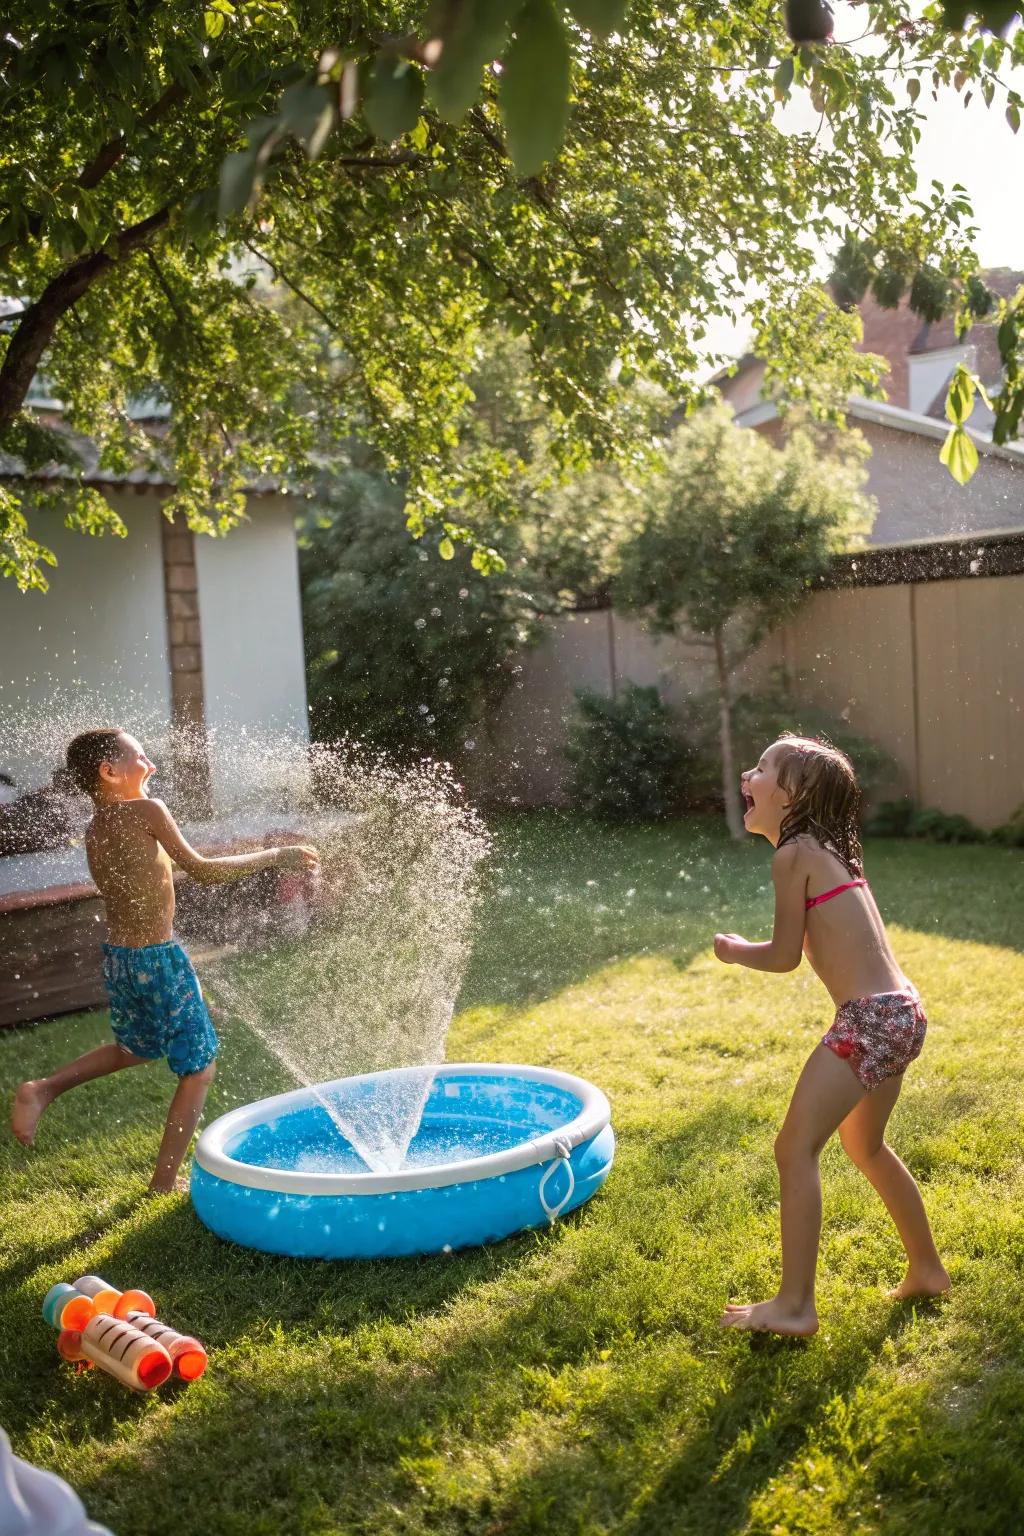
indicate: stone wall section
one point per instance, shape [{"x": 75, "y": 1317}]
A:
[{"x": 185, "y": 658}]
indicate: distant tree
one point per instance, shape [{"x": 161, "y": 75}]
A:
[
  {"x": 403, "y": 650},
  {"x": 407, "y": 643},
  {"x": 730, "y": 540}
]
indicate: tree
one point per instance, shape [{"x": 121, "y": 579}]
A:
[
  {"x": 128, "y": 268},
  {"x": 410, "y": 652},
  {"x": 731, "y": 539},
  {"x": 404, "y": 651}
]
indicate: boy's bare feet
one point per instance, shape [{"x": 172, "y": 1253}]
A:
[
  {"x": 29, "y": 1102},
  {"x": 921, "y": 1282},
  {"x": 771, "y": 1317}
]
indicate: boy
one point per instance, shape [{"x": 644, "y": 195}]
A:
[{"x": 156, "y": 1005}]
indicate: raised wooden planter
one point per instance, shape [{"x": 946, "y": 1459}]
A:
[
  {"x": 50, "y": 956},
  {"x": 51, "y": 959}
]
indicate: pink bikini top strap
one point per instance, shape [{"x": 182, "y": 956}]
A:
[{"x": 816, "y": 901}]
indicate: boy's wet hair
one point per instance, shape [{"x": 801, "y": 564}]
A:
[
  {"x": 87, "y": 752},
  {"x": 824, "y": 797}
]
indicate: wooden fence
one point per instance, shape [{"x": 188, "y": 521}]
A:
[{"x": 920, "y": 648}]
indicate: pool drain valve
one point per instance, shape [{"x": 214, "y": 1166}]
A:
[{"x": 563, "y": 1152}]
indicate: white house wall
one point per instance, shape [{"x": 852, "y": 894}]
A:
[
  {"x": 93, "y": 650},
  {"x": 251, "y": 618}
]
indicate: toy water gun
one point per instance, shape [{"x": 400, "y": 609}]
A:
[
  {"x": 72, "y": 1306},
  {"x": 187, "y": 1354},
  {"x": 118, "y": 1348},
  {"x": 106, "y": 1298}
]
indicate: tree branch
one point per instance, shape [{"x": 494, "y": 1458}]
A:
[
  {"x": 39, "y": 321},
  {"x": 108, "y": 156},
  {"x": 283, "y": 277}
]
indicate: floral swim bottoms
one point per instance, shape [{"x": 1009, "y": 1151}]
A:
[
  {"x": 156, "y": 1005},
  {"x": 879, "y": 1036}
]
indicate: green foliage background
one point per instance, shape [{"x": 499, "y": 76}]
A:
[{"x": 350, "y": 296}]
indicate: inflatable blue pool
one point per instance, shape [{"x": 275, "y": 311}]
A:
[{"x": 499, "y": 1149}]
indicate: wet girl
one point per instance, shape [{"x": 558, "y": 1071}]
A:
[{"x": 804, "y": 798}]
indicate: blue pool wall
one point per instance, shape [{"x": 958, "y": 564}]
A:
[
  {"x": 405, "y": 1222},
  {"x": 480, "y": 1113}
]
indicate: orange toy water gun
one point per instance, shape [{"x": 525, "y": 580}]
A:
[
  {"x": 187, "y": 1354},
  {"x": 73, "y": 1308},
  {"x": 118, "y": 1348}
]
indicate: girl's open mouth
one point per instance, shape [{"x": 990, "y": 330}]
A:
[{"x": 748, "y": 801}]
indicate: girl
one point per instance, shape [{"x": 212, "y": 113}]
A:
[{"x": 804, "y": 798}]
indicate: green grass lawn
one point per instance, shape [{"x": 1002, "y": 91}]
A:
[{"x": 574, "y": 1381}]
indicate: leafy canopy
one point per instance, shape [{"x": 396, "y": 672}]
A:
[{"x": 374, "y": 220}]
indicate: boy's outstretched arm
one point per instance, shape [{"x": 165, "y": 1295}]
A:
[
  {"x": 231, "y": 866},
  {"x": 784, "y": 949}
]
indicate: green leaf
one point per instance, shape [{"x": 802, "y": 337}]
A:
[
  {"x": 213, "y": 21},
  {"x": 394, "y": 96},
  {"x": 1007, "y": 337},
  {"x": 960, "y": 397},
  {"x": 446, "y": 549},
  {"x": 959, "y": 455},
  {"x": 913, "y": 88},
  {"x": 1013, "y": 116},
  {"x": 783, "y": 77},
  {"x": 600, "y": 16},
  {"x": 535, "y": 87},
  {"x": 307, "y": 111},
  {"x": 237, "y": 182},
  {"x": 478, "y": 32}
]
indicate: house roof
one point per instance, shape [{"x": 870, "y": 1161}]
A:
[
  {"x": 899, "y": 419},
  {"x": 153, "y": 475}
]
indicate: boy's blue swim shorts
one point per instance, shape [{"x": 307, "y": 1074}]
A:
[{"x": 156, "y": 1005}]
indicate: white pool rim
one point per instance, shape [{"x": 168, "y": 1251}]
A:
[{"x": 594, "y": 1115}]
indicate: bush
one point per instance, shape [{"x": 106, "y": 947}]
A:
[
  {"x": 759, "y": 719},
  {"x": 942, "y": 827},
  {"x": 1011, "y": 833},
  {"x": 628, "y": 762},
  {"x": 898, "y": 818},
  {"x": 891, "y": 819},
  {"x": 404, "y": 649}
]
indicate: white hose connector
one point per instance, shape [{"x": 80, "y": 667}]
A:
[{"x": 563, "y": 1150}]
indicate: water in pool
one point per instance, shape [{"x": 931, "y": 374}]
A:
[{"x": 308, "y": 1142}]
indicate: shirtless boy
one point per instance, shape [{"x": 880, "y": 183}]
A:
[{"x": 156, "y": 1005}]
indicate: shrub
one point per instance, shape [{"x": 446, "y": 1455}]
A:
[
  {"x": 1011, "y": 833},
  {"x": 891, "y": 819},
  {"x": 943, "y": 827},
  {"x": 759, "y": 719},
  {"x": 405, "y": 650},
  {"x": 898, "y": 818},
  {"x": 628, "y": 762}
]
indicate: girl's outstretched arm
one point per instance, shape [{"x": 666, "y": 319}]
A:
[{"x": 783, "y": 951}]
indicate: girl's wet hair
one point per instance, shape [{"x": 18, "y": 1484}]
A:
[{"x": 824, "y": 797}]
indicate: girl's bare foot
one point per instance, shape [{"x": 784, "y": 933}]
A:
[
  {"x": 771, "y": 1317},
  {"x": 921, "y": 1282},
  {"x": 29, "y": 1102}
]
